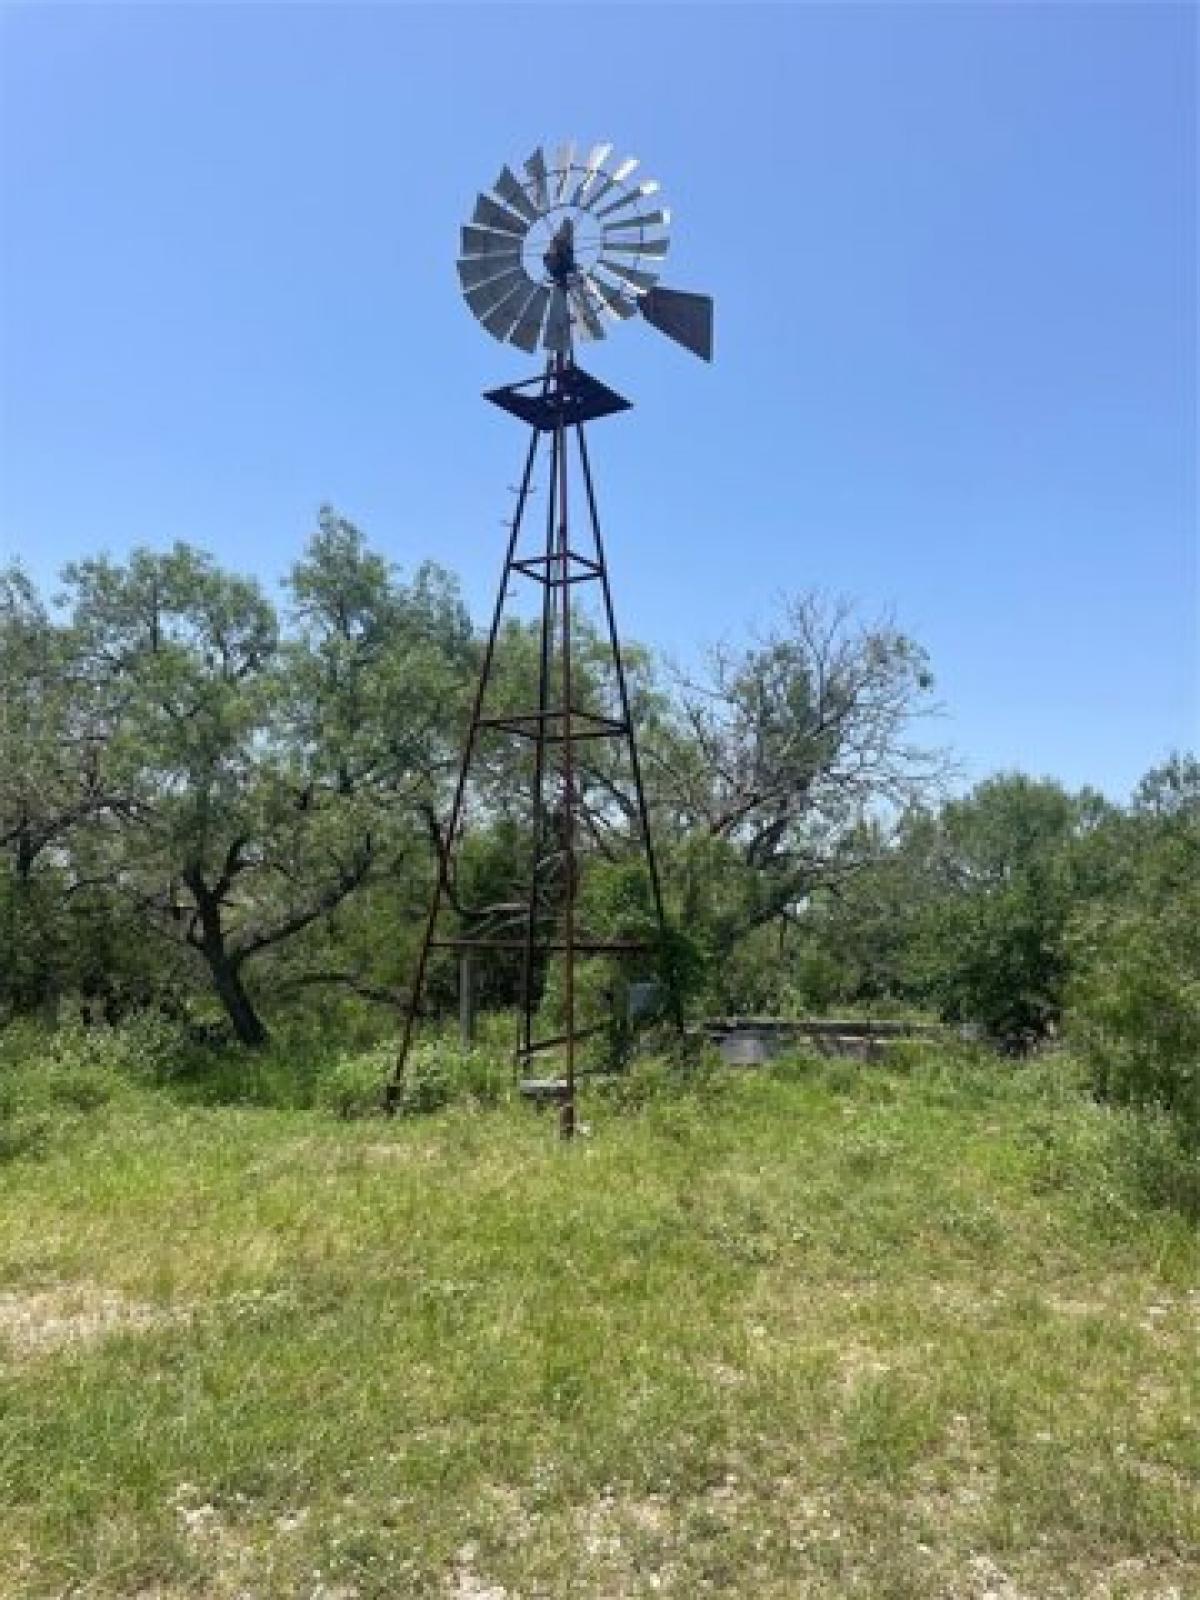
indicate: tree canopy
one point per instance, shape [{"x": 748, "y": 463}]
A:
[{"x": 222, "y": 804}]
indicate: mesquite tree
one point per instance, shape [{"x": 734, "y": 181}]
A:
[
  {"x": 780, "y": 754},
  {"x": 255, "y": 774}
]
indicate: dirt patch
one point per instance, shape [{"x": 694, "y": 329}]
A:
[
  {"x": 466, "y": 1583},
  {"x": 385, "y": 1152},
  {"x": 859, "y": 1364},
  {"x": 1068, "y": 1306},
  {"x": 989, "y": 1581},
  {"x": 37, "y": 1322}
]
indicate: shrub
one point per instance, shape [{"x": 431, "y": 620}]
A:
[
  {"x": 910, "y": 1056},
  {"x": 695, "y": 1074},
  {"x": 437, "y": 1073},
  {"x": 1153, "y": 1160},
  {"x": 354, "y": 1085},
  {"x": 1135, "y": 1001},
  {"x": 48, "y": 1077}
]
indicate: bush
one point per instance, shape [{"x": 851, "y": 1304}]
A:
[
  {"x": 438, "y": 1072},
  {"x": 47, "y": 1078},
  {"x": 354, "y": 1085},
  {"x": 1152, "y": 1160},
  {"x": 911, "y": 1056},
  {"x": 1135, "y": 1002},
  {"x": 144, "y": 1049},
  {"x": 682, "y": 1073}
]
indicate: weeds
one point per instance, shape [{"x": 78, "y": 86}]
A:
[
  {"x": 437, "y": 1073},
  {"x": 825, "y": 1330}
]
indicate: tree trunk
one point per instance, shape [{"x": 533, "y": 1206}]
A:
[
  {"x": 224, "y": 968},
  {"x": 231, "y": 991}
]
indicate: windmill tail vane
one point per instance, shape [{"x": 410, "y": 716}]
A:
[{"x": 564, "y": 253}]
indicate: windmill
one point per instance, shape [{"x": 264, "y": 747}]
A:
[{"x": 554, "y": 258}]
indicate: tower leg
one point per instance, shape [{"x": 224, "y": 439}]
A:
[
  {"x": 635, "y": 764},
  {"x": 545, "y": 643},
  {"x": 460, "y": 788},
  {"x": 566, "y": 1125}
]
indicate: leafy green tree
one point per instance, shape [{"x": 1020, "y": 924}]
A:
[
  {"x": 1170, "y": 792},
  {"x": 1135, "y": 989},
  {"x": 856, "y": 939},
  {"x": 260, "y": 776},
  {"x": 54, "y": 777},
  {"x": 377, "y": 673},
  {"x": 181, "y": 657},
  {"x": 991, "y": 947}
]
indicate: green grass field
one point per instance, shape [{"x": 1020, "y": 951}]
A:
[{"x": 823, "y": 1332}]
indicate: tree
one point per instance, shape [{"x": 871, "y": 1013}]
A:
[
  {"x": 256, "y": 773},
  {"x": 1135, "y": 985},
  {"x": 181, "y": 657},
  {"x": 1007, "y": 867},
  {"x": 1169, "y": 791},
  {"x": 785, "y": 762},
  {"x": 377, "y": 674},
  {"x": 858, "y": 938},
  {"x": 53, "y": 778}
]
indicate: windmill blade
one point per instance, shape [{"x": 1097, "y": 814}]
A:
[
  {"x": 536, "y": 168},
  {"x": 528, "y": 327},
  {"x": 647, "y": 247},
  {"x": 651, "y": 219},
  {"x": 563, "y": 162},
  {"x": 612, "y": 299},
  {"x": 558, "y": 321},
  {"x": 490, "y": 295},
  {"x": 617, "y": 269},
  {"x": 589, "y": 202},
  {"x": 686, "y": 318},
  {"x": 635, "y": 197},
  {"x": 476, "y": 270},
  {"x": 509, "y": 188},
  {"x": 589, "y": 323},
  {"x": 489, "y": 214},
  {"x": 485, "y": 242},
  {"x": 499, "y": 321},
  {"x": 597, "y": 155},
  {"x": 608, "y": 181}
]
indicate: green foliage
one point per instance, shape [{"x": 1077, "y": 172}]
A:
[
  {"x": 354, "y": 1085},
  {"x": 1136, "y": 991},
  {"x": 1153, "y": 1158},
  {"x": 441, "y": 1071},
  {"x": 144, "y": 1049},
  {"x": 817, "y": 982},
  {"x": 216, "y": 807},
  {"x": 191, "y": 789},
  {"x": 991, "y": 943},
  {"x": 438, "y": 1072},
  {"x": 696, "y": 1078},
  {"x": 48, "y": 1078},
  {"x": 617, "y": 903}
]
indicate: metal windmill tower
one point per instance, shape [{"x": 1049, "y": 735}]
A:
[{"x": 558, "y": 256}]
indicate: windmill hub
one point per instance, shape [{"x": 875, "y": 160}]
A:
[{"x": 561, "y": 254}]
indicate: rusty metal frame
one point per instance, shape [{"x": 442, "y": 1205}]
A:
[{"x": 561, "y": 726}]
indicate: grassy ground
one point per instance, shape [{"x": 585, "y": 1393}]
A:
[{"x": 827, "y": 1332}]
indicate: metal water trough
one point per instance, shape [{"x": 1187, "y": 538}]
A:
[{"x": 751, "y": 1041}]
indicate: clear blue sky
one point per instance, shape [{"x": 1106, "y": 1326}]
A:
[{"x": 953, "y": 250}]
